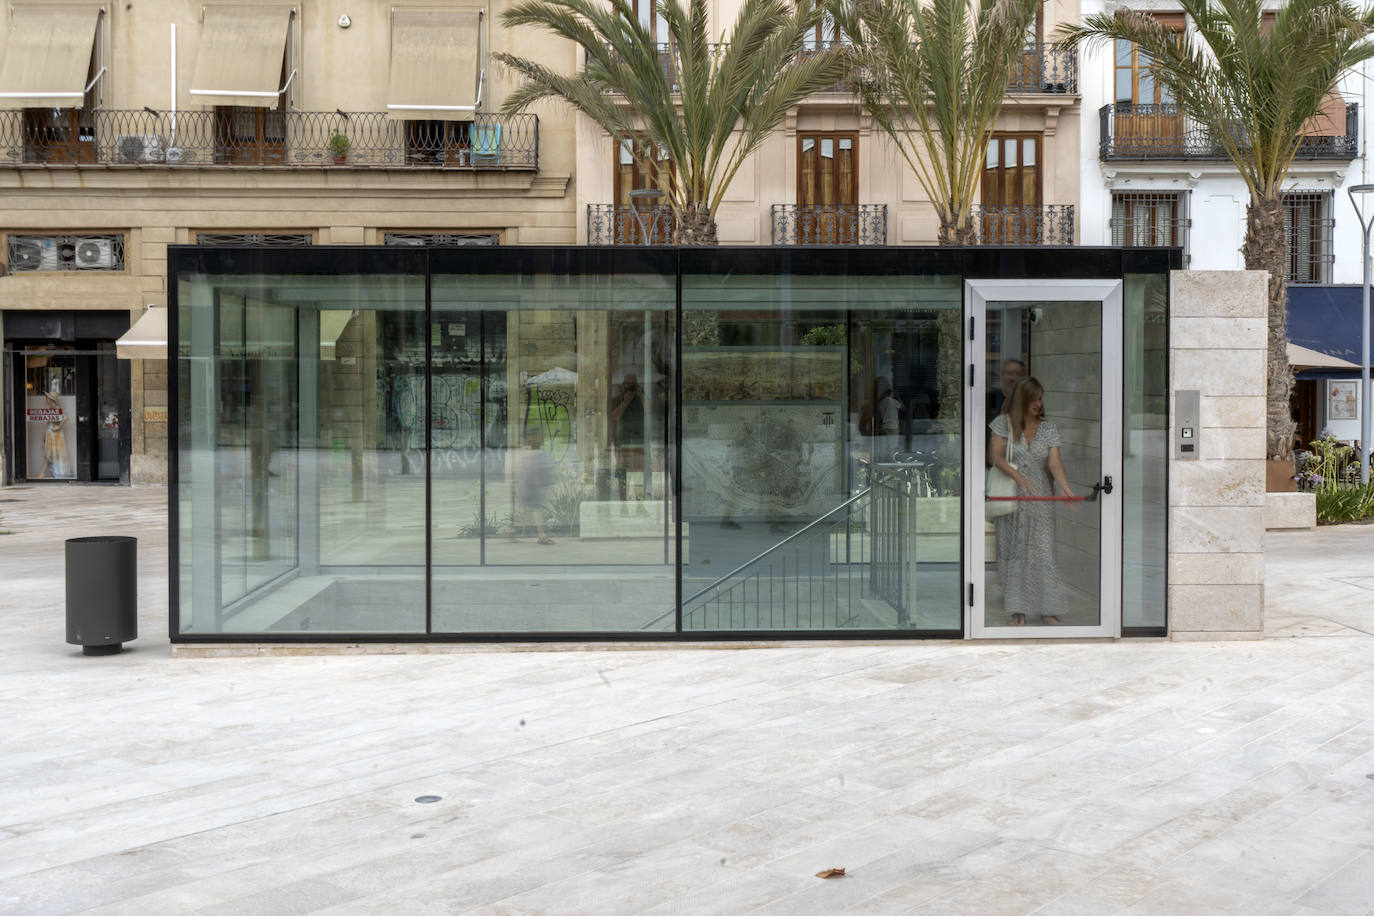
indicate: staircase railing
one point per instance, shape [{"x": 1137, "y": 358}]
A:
[{"x": 814, "y": 578}]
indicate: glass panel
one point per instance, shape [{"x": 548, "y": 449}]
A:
[
  {"x": 821, "y": 452},
  {"x": 553, "y": 502},
  {"x": 301, "y": 495},
  {"x": 1044, "y": 365},
  {"x": 107, "y": 391},
  {"x": 50, "y": 415},
  {"x": 1123, "y": 86},
  {"x": 1145, "y": 451}
]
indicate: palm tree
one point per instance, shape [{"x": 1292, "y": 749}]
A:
[
  {"x": 697, "y": 109},
  {"x": 1251, "y": 85},
  {"x": 942, "y": 66}
]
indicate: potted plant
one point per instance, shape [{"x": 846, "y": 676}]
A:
[{"x": 338, "y": 147}]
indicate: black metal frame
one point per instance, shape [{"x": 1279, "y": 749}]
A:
[{"x": 1028, "y": 262}]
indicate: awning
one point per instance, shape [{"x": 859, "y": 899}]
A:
[
  {"x": 435, "y": 65},
  {"x": 1303, "y": 358},
  {"x": 241, "y": 54},
  {"x": 147, "y": 339},
  {"x": 48, "y": 56},
  {"x": 1326, "y": 320}
]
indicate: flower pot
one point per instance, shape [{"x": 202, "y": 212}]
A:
[
  {"x": 340, "y": 160},
  {"x": 1279, "y": 476}
]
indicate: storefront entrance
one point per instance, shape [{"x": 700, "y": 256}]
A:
[{"x": 67, "y": 398}]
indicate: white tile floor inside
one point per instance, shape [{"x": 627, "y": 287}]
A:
[{"x": 1140, "y": 777}]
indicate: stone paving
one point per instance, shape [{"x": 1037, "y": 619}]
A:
[{"x": 1069, "y": 778}]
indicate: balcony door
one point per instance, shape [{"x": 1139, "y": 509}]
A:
[
  {"x": 640, "y": 167},
  {"x": 1011, "y": 190},
  {"x": 1146, "y": 118},
  {"x": 827, "y": 188}
]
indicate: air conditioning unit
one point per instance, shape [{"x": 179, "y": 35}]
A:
[
  {"x": 138, "y": 148},
  {"x": 33, "y": 254},
  {"x": 95, "y": 254}
]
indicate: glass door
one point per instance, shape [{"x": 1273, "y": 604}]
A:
[{"x": 1044, "y": 543}]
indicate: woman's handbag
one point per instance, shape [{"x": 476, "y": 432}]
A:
[{"x": 1000, "y": 484}]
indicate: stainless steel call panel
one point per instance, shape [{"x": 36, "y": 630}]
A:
[{"x": 1187, "y": 425}]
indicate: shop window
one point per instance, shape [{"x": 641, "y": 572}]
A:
[
  {"x": 441, "y": 239},
  {"x": 1153, "y": 219},
  {"x": 1307, "y": 226},
  {"x": 256, "y": 239},
  {"x": 64, "y": 252}
]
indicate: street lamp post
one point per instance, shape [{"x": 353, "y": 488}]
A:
[{"x": 1361, "y": 189}]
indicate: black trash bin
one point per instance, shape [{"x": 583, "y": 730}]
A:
[{"x": 102, "y": 593}]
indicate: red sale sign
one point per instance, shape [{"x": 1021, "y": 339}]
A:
[{"x": 44, "y": 414}]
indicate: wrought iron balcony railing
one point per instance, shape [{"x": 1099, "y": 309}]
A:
[
  {"x": 625, "y": 224},
  {"x": 260, "y": 137},
  {"x": 665, "y": 60},
  {"x": 830, "y": 224},
  {"x": 1044, "y": 68},
  {"x": 1017, "y": 225},
  {"x": 1132, "y": 131}
]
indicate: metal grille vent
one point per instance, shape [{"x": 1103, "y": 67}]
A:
[
  {"x": 440, "y": 239},
  {"x": 256, "y": 239},
  {"x": 64, "y": 252}
]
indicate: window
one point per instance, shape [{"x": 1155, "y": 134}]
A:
[
  {"x": 827, "y": 188},
  {"x": 1149, "y": 220},
  {"x": 64, "y": 252},
  {"x": 641, "y": 167},
  {"x": 440, "y": 239},
  {"x": 257, "y": 239},
  {"x": 1307, "y": 226},
  {"x": 438, "y": 142},
  {"x": 1135, "y": 78}
]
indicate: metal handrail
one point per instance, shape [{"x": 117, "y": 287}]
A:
[
  {"x": 1163, "y": 131},
  {"x": 778, "y": 546}
]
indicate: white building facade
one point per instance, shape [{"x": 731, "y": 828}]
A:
[{"x": 1153, "y": 177}]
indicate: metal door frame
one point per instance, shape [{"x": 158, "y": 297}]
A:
[{"x": 977, "y": 294}]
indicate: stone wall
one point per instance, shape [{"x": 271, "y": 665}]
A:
[{"x": 1216, "y": 503}]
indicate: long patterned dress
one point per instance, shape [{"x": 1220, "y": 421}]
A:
[{"x": 1025, "y": 538}]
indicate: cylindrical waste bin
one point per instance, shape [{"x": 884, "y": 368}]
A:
[{"x": 102, "y": 593}]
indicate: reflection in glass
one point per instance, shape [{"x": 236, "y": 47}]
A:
[
  {"x": 553, "y": 502},
  {"x": 821, "y": 452},
  {"x": 1144, "y": 489},
  {"x": 1042, "y": 558}
]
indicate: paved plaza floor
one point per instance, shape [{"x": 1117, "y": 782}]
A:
[{"x": 1079, "y": 778}]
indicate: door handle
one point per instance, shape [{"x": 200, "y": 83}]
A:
[
  {"x": 1107, "y": 484},
  {"x": 1104, "y": 487}
]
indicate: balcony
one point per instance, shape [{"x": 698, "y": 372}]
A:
[
  {"x": 622, "y": 224},
  {"x": 830, "y": 224},
  {"x": 1029, "y": 225},
  {"x": 1043, "y": 68},
  {"x": 1162, "y": 132},
  {"x": 259, "y": 138}
]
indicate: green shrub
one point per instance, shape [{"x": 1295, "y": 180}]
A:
[{"x": 1345, "y": 504}]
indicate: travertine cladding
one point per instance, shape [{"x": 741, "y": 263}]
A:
[
  {"x": 1290, "y": 510},
  {"x": 1217, "y": 503}
]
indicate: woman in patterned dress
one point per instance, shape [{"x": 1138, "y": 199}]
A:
[{"x": 1026, "y": 538}]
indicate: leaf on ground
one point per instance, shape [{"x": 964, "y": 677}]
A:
[{"x": 831, "y": 873}]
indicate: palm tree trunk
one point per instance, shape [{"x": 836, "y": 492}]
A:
[
  {"x": 696, "y": 226},
  {"x": 949, "y": 359},
  {"x": 1264, "y": 249}
]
